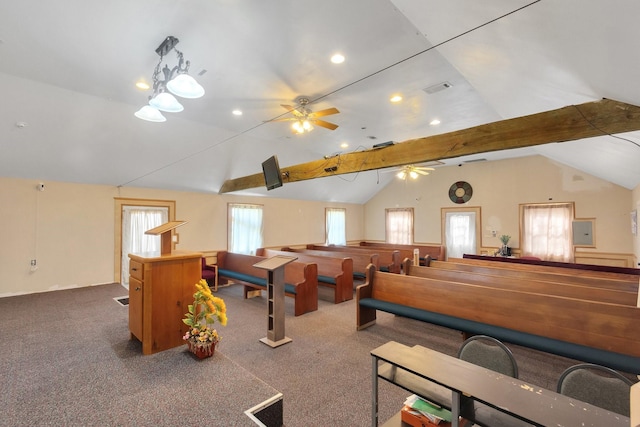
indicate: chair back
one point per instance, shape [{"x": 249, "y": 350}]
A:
[
  {"x": 598, "y": 385},
  {"x": 489, "y": 353}
]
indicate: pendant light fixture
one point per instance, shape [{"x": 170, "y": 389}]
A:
[{"x": 176, "y": 82}]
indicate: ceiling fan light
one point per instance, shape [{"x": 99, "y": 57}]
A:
[
  {"x": 166, "y": 102},
  {"x": 185, "y": 86},
  {"x": 150, "y": 114},
  {"x": 413, "y": 174},
  {"x": 402, "y": 174},
  {"x": 306, "y": 125}
]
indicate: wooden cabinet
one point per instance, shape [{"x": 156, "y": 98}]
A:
[{"x": 161, "y": 288}]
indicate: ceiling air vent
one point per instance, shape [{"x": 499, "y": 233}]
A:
[
  {"x": 475, "y": 160},
  {"x": 438, "y": 87}
]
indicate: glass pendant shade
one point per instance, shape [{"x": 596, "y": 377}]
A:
[
  {"x": 185, "y": 86},
  {"x": 401, "y": 174},
  {"x": 166, "y": 102},
  {"x": 150, "y": 114}
]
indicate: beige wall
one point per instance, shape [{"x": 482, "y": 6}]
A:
[
  {"x": 69, "y": 229},
  {"x": 498, "y": 188}
]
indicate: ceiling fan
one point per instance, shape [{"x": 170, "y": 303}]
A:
[
  {"x": 304, "y": 119},
  {"x": 411, "y": 171}
]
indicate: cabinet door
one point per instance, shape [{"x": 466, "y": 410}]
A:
[{"x": 135, "y": 307}]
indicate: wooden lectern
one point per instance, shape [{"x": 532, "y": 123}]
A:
[
  {"x": 275, "y": 294},
  {"x": 164, "y": 231},
  {"x": 161, "y": 287}
]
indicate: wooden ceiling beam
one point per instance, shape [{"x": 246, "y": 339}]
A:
[{"x": 565, "y": 124}]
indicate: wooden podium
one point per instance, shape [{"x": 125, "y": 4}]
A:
[
  {"x": 275, "y": 294},
  {"x": 161, "y": 287}
]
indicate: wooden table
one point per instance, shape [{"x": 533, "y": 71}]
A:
[{"x": 504, "y": 394}]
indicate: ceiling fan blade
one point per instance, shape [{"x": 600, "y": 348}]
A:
[
  {"x": 324, "y": 124},
  {"x": 287, "y": 107},
  {"x": 322, "y": 113},
  {"x": 421, "y": 172},
  {"x": 423, "y": 168}
]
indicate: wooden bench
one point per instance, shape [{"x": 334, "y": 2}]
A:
[
  {"x": 336, "y": 273},
  {"x": 496, "y": 280},
  {"x": 571, "y": 265},
  {"x": 389, "y": 259},
  {"x": 435, "y": 252},
  {"x": 301, "y": 279},
  {"x": 563, "y": 276},
  {"x": 522, "y": 266},
  {"x": 360, "y": 260},
  {"x": 595, "y": 332}
]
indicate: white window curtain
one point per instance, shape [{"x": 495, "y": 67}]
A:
[
  {"x": 460, "y": 233},
  {"x": 546, "y": 231},
  {"x": 135, "y": 221},
  {"x": 336, "y": 226},
  {"x": 245, "y": 228},
  {"x": 399, "y": 226}
]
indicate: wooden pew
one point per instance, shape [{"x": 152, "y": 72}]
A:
[
  {"x": 435, "y": 252},
  {"x": 595, "y": 332},
  {"x": 336, "y": 273},
  {"x": 301, "y": 279},
  {"x": 360, "y": 260},
  {"x": 563, "y": 276},
  {"x": 521, "y": 284},
  {"x": 389, "y": 259},
  {"x": 541, "y": 262}
]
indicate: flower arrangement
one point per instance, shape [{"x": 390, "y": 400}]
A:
[
  {"x": 505, "y": 250},
  {"x": 202, "y": 315}
]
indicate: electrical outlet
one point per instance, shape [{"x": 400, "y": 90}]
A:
[{"x": 33, "y": 263}]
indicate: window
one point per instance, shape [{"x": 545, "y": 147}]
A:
[
  {"x": 245, "y": 228},
  {"x": 546, "y": 231},
  {"x": 399, "y": 226},
  {"x": 336, "y": 231}
]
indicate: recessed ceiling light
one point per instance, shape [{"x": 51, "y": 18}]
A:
[
  {"x": 237, "y": 112},
  {"x": 434, "y": 122},
  {"x": 142, "y": 85},
  {"x": 344, "y": 145},
  {"x": 337, "y": 58},
  {"x": 396, "y": 98}
]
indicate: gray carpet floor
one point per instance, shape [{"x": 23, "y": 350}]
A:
[{"x": 66, "y": 359}]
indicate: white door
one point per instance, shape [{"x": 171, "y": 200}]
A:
[
  {"x": 460, "y": 233},
  {"x": 135, "y": 221}
]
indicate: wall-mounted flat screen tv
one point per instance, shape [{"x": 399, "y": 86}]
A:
[{"x": 271, "y": 172}]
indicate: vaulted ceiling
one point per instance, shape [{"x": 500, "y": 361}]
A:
[{"x": 68, "y": 71}]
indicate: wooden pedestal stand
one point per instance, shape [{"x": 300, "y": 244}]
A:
[{"x": 275, "y": 293}]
